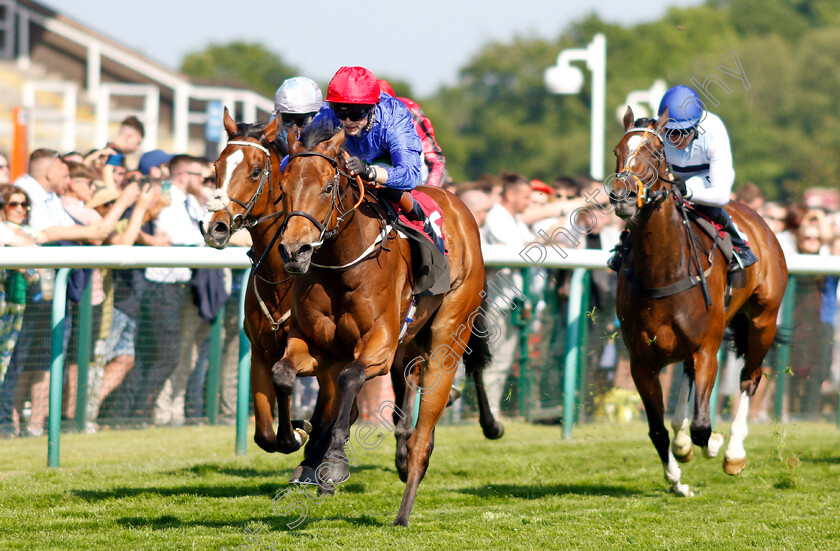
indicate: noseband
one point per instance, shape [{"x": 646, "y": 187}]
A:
[{"x": 220, "y": 200}]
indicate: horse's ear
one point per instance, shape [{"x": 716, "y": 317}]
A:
[
  {"x": 292, "y": 140},
  {"x": 628, "y": 118},
  {"x": 333, "y": 145},
  {"x": 230, "y": 125},
  {"x": 270, "y": 131},
  {"x": 660, "y": 122}
]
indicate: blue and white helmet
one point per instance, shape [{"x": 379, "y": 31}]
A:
[
  {"x": 298, "y": 95},
  {"x": 685, "y": 108}
]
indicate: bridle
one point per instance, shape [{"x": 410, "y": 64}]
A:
[
  {"x": 220, "y": 200},
  {"x": 336, "y": 200},
  {"x": 643, "y": 197}
]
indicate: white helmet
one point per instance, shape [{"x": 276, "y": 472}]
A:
[{"x": 298, "y": 95}]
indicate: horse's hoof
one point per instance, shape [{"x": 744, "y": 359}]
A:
[
  {"x": 734, "y": 466},
  {"x": 303, "y": 475},
  {"x": 684, "y": 457},
  {"x": 494, "y": 431},
  {"x": 303, "y": 424},
  {"x": 681, "y": 490},
  {"x": 301, "y": 436},
  {"x": 716, "y": 441},
  {"x": 326, "y": 490},
  {"x": 332, "y": 473}
]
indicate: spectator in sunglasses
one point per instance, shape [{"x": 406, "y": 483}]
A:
[{"x": 377, "y": 126}]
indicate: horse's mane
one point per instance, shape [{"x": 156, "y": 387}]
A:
[
  {"x": 644, "y": 122},
  {"x": 313, "y": 134},
  {"x": 255, "y": 130}
]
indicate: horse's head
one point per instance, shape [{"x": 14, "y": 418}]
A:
[
  {"x": 246, "y": 174},
  {"x": 640, "y": 164},
  {"x": 311, "y": 183}
]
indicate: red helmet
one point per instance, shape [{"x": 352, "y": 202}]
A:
[
  {"x": 385, "y": 86},
  {"x": 353, "y": 85}
]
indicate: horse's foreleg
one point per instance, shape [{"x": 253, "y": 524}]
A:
[
  {"x": 283, "y": 376},
  {"x": 682, "y": 447},
  {"x": 650, "y": 390},
  {"x": 322, "y": 418},
  {"x": 335, "y": 469},
  {"x": 262, "y": 390},
  {"x": 705, "y": 373}
]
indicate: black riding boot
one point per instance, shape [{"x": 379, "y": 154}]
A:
[
  {"x": 619, "y": 251},
  {"x": 743, "y": 256}
]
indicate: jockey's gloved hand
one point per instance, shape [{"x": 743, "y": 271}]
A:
[
  {"x": 358, "y": 167},
  {"x": 679, "y": 183}
]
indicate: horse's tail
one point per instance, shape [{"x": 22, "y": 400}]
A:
[
  {"x": 740, "y": 328},
  {"x": 476, "y": 359}
]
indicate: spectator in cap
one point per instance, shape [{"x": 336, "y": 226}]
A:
[{"x": 155, "y": 164}]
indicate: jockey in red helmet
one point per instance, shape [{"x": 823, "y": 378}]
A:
[{"x": 378, "y": 129}]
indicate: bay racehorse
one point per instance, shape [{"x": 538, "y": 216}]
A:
[
  {"x": 247, "y": 195},
  {"x": 352, "y": 292},
  {"x": 674, "y": 300}
]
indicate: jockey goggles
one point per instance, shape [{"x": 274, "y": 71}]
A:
[
  {"x": 354, "y": 112},
  {"x": 298, "y": 119},
  {"x": 677, "y": 133}
]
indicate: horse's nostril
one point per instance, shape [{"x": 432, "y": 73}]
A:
[
  {"x": 304, "y": 249},
  {"x": 220, "y": 227}
]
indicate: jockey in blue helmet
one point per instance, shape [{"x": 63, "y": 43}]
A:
[{"x": 698, "y": 152}]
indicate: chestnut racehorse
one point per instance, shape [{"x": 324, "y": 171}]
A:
[
  {"x": 665, "y": 313},
  {"x": 352, "y": 292}
]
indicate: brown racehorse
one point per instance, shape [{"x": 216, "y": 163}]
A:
[
  {"x": 246, "y": 196},
  {"x": 661, "y": 305},
  {"x": 247, "y": 188},
  {"x": 352, "y": 293}
]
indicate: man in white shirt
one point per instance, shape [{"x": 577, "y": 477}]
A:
[
  {"x": 504, "y": 287},
  {"x": 167, "y": 292}
]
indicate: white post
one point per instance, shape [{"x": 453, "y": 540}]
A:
[
  {"x": 597, "y": 63},
  {"x": 151, "y": 119},
  {"x": 68, "y": 137},
  {"x": 94, "y": 70},
  {"x": 103, "y": 109},
  {"x": 23, "y": 39},
  {"x": 180, "y": 118}
]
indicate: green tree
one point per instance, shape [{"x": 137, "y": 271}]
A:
[{"x": 239, "y": 63}]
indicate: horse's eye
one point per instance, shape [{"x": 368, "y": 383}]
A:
[
  {"x": 328, "y": 189},
  {"x": 256, "y": 173}
]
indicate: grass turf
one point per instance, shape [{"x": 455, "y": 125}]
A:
[{"x": 184, "y": 489}]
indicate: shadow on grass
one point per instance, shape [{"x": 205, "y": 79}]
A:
[
  {"x": 826, "y": 460},
  {"x": 276, "y": 523},
  {"x": 538, "y": 492},
  {"x": 210, "y": 490},
  {"x": 206, "y": 469}
]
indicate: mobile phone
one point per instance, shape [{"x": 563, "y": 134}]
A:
[
  {"x": 165, "y": 186},
  {"x": 116, "y": 159}
]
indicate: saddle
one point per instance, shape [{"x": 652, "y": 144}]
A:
[
  {"x": 430, "y": 268},
  {"x": 722, "y": 238}
]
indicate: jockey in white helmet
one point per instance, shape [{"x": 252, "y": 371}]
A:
[{"x": 296, "y": 102}]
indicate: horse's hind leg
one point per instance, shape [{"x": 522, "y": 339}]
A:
[
  {"x": 650, "y": 390},
  {"x": 404, "y": 395},
  {"x": 760, "y": 337},
  {"x": 682, "y": 447}
]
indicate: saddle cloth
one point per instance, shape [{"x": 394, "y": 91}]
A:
[{"x": 432, "y": 211}]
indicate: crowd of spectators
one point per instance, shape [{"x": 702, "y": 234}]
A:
[
  {"x": 513, "y": 210},
  {"x": 151, "y": 331},
  {"x": 149, "y": 326}
]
